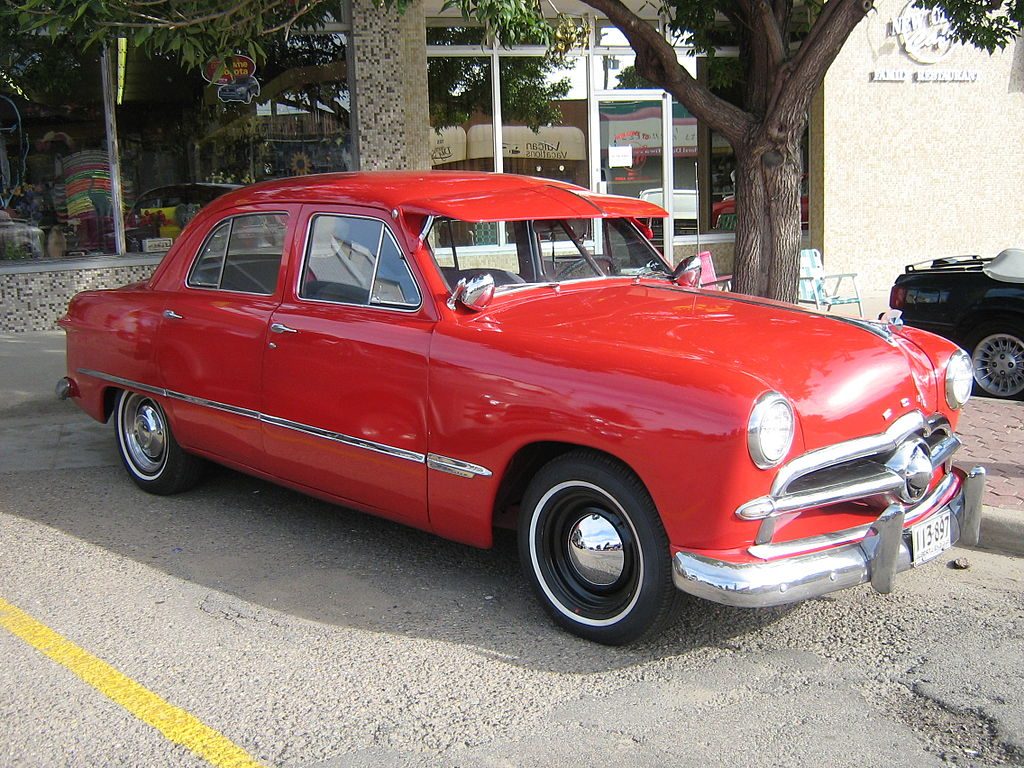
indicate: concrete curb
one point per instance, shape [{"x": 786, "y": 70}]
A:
[{"x": 1002, "y": 530}]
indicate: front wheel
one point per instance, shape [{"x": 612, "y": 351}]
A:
[
  {"x": 150, "y": 453},
  {"x": 997, "y": 352},
  {"x": 592, "y": 546}
]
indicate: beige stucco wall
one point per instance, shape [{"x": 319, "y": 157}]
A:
[{"x": 908, "y": 171}]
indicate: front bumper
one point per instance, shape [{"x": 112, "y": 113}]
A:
[{"x": 876, "y": 557}]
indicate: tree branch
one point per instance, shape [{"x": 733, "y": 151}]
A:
[
  {"x": 776, "y": 46},
  {"x": 657, "y": 56},
  {"x": 819, "y": 49},
  {"x": 294, "y": 17}
]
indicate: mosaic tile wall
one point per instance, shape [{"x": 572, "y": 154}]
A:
[
  {"x": 392, "y": 121},
  {"x": 34, "y": 301}
]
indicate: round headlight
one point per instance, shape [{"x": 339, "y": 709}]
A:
[
  {"x": 959, "y": 379},
  {"x": 770, "y": 429}
]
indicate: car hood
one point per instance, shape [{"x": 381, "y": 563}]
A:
[{"x": 844, "y": 377}]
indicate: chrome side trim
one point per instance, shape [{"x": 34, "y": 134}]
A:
[
  {"x": 237, "y": 411},
  {"x": 139, "y": 387},
  {"x": 123, "y": 382},
  {"x": 440, "y": 463},
  {"x": 338, "y": 437},
  {"x": 455, "y": 466},
  {"x": 825, "y": 540}
]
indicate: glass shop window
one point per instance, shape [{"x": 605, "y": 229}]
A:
[
  {"x": 353, "y": 260},
  {"x": 55, "y": 186},
  {"x": 242, "y": 254},
  {"x": 189, "y": 135}
]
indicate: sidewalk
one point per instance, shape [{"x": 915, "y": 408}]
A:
[
  {"x": 30, "y": 415},
  {"x": 993, "y": 436}
]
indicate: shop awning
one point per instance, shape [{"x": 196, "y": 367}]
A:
[
  {"x": 447, "y": 145},
  {"x": 559, "y": 142}
]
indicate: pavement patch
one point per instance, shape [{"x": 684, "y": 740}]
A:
[{"x": 174, "y": 723}]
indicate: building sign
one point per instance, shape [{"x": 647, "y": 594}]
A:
[
  {"x": 924, "y": 76},
  {"x": 234, "y": 78},
  {"x": 217, "y": 72},
  {"x": 925, "y": 35}
]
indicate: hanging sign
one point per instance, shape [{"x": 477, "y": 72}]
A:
[{"x": 229, "y": 70}]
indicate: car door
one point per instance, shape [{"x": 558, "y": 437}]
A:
[
  {"x": 213, "y": 334},
  {"x": 345, "y": 371}
]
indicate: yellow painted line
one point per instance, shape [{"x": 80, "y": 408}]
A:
[{"x": 174, "y": 723}]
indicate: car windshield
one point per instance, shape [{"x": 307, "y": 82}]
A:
[{"x": 519, "y": 253}]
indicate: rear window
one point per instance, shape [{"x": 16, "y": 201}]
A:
[{"x": 242, "y": 254}]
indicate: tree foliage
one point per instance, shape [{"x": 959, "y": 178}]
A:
[
  {"x": 786, "y": 47},
  {"x": 460, "y": 86}
]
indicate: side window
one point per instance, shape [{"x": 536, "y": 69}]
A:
[
  {"x": 394, "y": 284},
  {"x": 206, "y": 272},
  {"x": 347, "y": 256},
  {"x": 242, "y": 254}
]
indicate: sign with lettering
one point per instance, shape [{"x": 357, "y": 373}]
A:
[
  {"x": 923, "y": 33},
  {"x": 230, "y": 70}
]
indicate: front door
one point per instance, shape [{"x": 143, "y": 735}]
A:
[{"x": 345, "y": 370}]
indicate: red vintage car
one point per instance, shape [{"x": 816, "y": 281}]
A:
[{"x": 461, "y": 351}]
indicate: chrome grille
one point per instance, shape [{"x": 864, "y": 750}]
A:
[{"x": 857, "y": 470}]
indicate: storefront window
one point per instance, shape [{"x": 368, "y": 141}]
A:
[
  {"x": 185, "y": 137},
  {"x": 544, "y": 118},
  {"x": 188, "y": 136},
  {"x": 459, "y": 93},
  {"x": 54, "y": 169}
]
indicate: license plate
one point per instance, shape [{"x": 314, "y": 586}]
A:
[{"x": 930, "y": 537}]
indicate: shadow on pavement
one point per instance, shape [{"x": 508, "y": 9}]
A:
[{"x": 275, "y": 548}]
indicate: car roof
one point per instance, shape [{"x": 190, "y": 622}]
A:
[{"x": 464, "y": 195}]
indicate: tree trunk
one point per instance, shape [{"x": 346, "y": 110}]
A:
[{"x": 767, "y": 261}]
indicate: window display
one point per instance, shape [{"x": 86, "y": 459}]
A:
[{"x": 185, "y": 136}]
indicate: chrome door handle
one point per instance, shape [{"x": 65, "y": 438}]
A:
[
  {"x": 281, "y": 328},
  {"x": 170, "y": 314}
]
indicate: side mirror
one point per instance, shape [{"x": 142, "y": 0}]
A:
[
  {"x": 687, "y": 273},
  {"x": 474, "y": 294}
]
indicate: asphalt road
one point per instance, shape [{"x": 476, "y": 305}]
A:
[{"x": 310, "y": 635}]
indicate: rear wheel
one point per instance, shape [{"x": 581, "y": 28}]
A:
[
  {"x": 150, "y": 453},
  {"x": 997, "y": 352},
  {"x": 592, "y": 546}
]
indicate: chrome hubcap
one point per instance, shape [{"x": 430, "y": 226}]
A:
[
  {"x": 999, "y": 365},
  {"x": 144, "y": 433},
  {"x": 149, "y": 431},
  {"x": 595, "y": 550}
]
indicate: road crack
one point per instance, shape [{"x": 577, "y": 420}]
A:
[{"x": 961, "y": 737}]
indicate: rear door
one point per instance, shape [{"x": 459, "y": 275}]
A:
[{"x": 213, "y": 333}]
